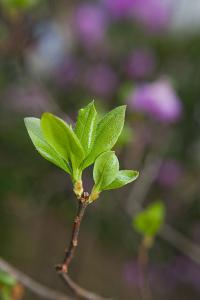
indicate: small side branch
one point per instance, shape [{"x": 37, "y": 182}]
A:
[
  {"x": 37, "y": 288},
  {"x": 79, "y": 291},
  {"x": 181, "y": 242}
]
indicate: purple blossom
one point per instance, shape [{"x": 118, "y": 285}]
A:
[
  {"x": 166, "y": 276},
  {"x": 131, "y": 273},
  {"x": 185, "y": 271},
  {"x": 170, "y": 173},
  {"x": 158, "y": 100},
  {"x": 119, "y": 8},
  {"x": 153, "y": 14},
  {"x": 27, "y": 99},
  {"x": 90, "y": 24},
  {"x": 68, "y": 72},
  {"x": 101, "y": 80},
  {"x": 140, "y": 63}
]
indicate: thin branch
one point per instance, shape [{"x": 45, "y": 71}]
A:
[
  {"x": 37, "y": 288},
  {"x": 69, "y": 254},
  {"x": 180, "y": 242},
  {"x": 79, "y": 291},
  {"x": 64, "y": 267}
]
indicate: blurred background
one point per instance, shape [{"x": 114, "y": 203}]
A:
[{"x": 59, "y": 55}]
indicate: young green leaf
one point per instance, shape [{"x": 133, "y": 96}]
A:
[
  {"x": 105, "y": 170},
  {"x": 108, "y": 130},
  {"x": 123, "y": 177},
  {"x": 86, "y": 126},
  {"x": 149, "y": 221},
  {"x": 45, "y": 150},
  {"x": 62, "y": 138},
  {"x": 6, "y": 279},
  {"x": 19, "y": 4}
]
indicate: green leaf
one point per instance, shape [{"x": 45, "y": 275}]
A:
[
  {"x": 149, "y": 221},
  {"x": 86, "y": 126},
  {"x": 62, "y": 138},
  {"x": 105, "y": 170},
  {"x": 108, "y": 131},
  {"x": 19, "y": 4},
  {"x": 123, "y": 177},
  {"x": 6, "y": 293},
  {"x": 6, "y": 279},
  {"x": 45, "y": 150}
]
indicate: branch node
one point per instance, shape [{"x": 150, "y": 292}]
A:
[
  {"x": 61, "y": 268},
  {"x": 75, "y": 243}
]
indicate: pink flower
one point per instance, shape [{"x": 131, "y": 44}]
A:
[
  {"x": 101, "y": 80},
  {"x": 158, "y": 100},
  {"x": 140, "y": 63},
  {"x": 90, "y": 24},
  {"x": 170, "y": 172},
  {"x": 119, "y": 8},
  {"x": 153, "y": 14}
]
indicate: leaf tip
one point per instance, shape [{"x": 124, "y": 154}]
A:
[
  {"x": 137, "y": 174},
  {"x": 46, "y": 114}
]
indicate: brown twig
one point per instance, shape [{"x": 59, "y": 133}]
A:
[
  {"x": 37, "y": 288},
  {"x": 69, "y": 254},
  {"x": 79, "y": 291},
  {"x": 83, "y": 203},
  {"x": 143, "y": 260}
]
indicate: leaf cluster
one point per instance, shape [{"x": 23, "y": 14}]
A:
[{"x": 89, "y": 142}]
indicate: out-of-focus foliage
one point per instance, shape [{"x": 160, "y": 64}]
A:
[
  {"x": 6, "y": 279},
  {"x": 19, "y": 4},
  {"x": 149, "y": 221},
  {"x": 7, "y": 284}
]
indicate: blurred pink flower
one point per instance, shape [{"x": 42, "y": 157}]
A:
[
  {"x": 119, "y": 8},
  {"x": 170, "y": 172},
  {"x": 158, "y": 100},
  {"x": 164, "y": 276},
  {"x": 132, "y": 273},
  {"x": 68, "y": 72},
  {"x": 140, "y": 63},
  {"x": 153, "y": 14},
  {"x": 29, "y": 99},
  {"x": 90, "y": 24},
  {"x": 184, "y": 270},
  {"x": 101, "y": 80}
]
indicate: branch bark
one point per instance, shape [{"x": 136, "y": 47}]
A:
[
  {"x": 69, "y": 253},
  {"x": 79, "y": 291},
  {"x": 63, "y": 268}
]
